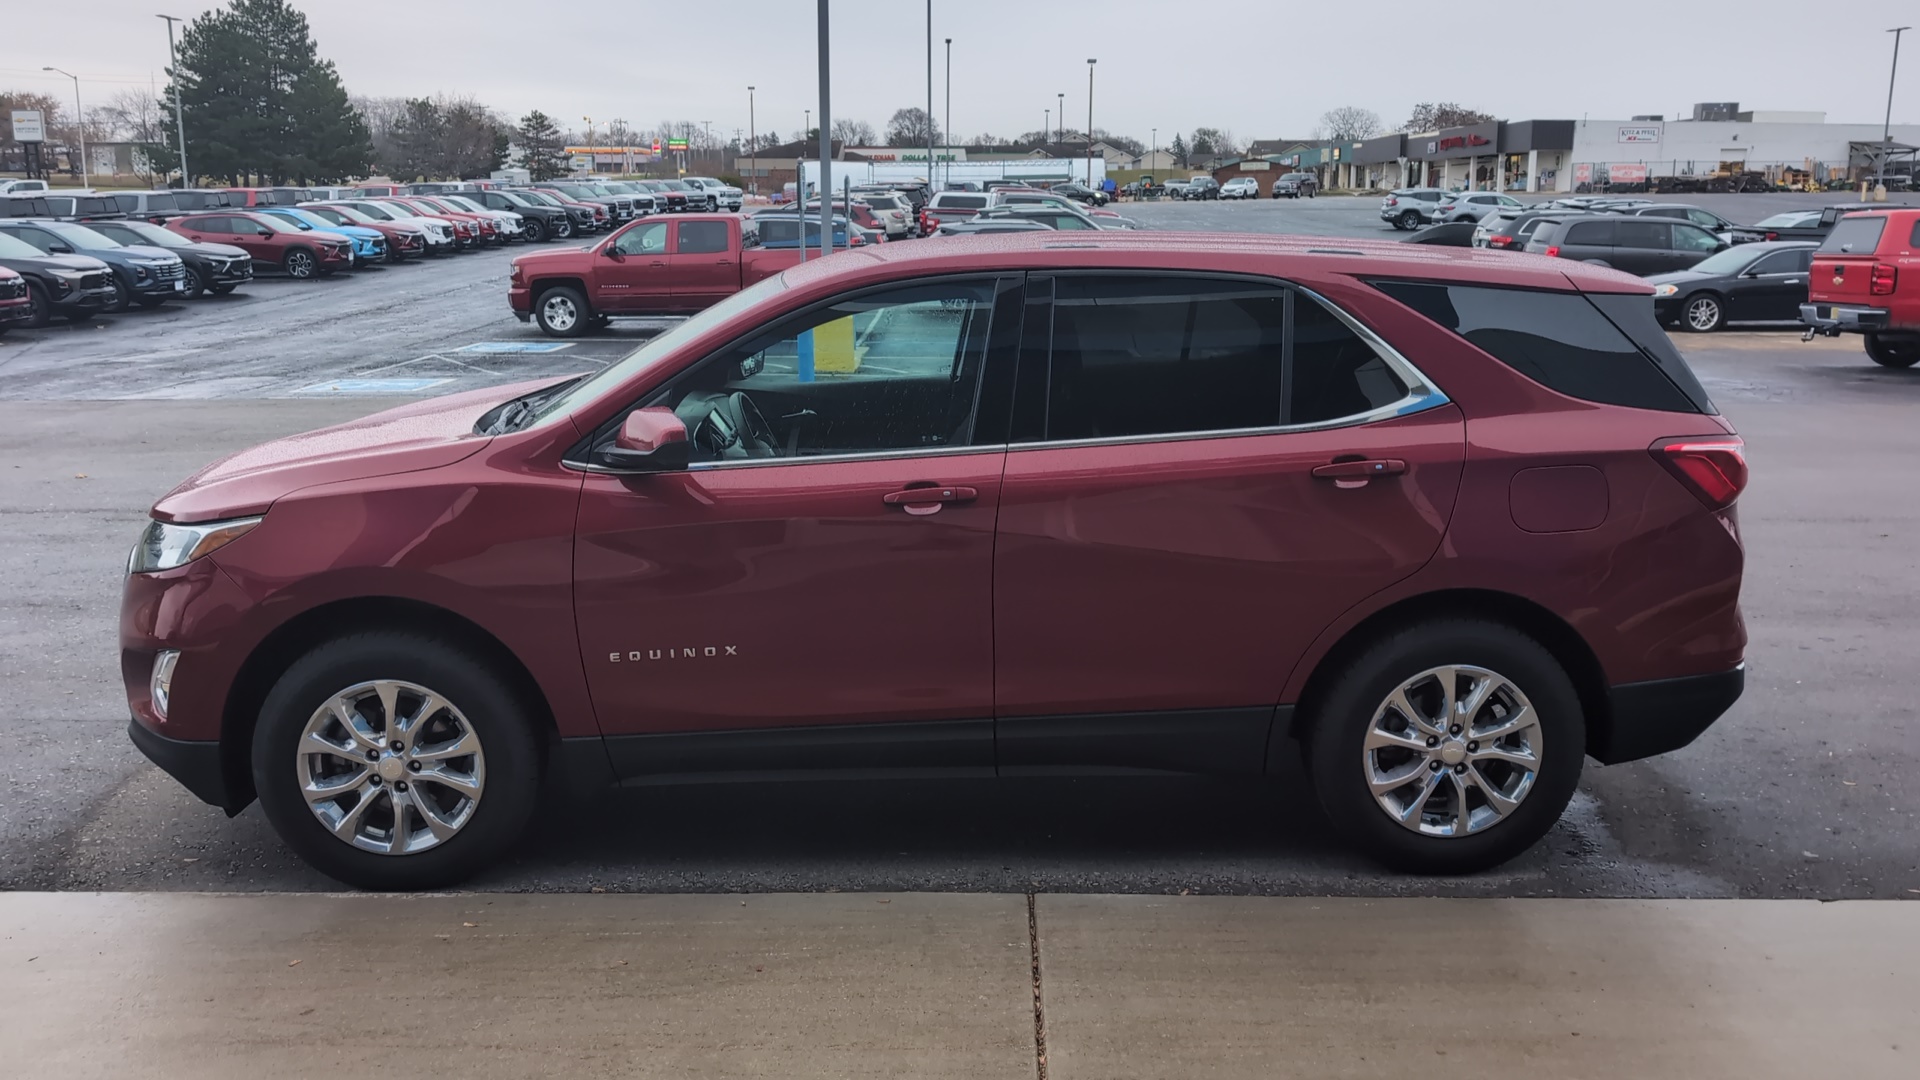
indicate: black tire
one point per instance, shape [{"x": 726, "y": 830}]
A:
[
  {"x": 562, "y": 312},
  {"x": 1711, "y": 316},
  {"x": 494, "y": 711},
  {"x": 1337, "y": 726},
  {"x": 563, "y": 229},
  {"x": 1892, "y": 352},
  {"x": 122, "y": 296},
  {"x": 196, "y": 285},
  {"x": 300, "y": 264},
  {"x": 534, "y": 230},
  {"x": 1408, "y": 219},
  {"x": 39, "y": 308}
]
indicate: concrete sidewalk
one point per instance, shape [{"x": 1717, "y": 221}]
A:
[{"x": 941, "y": 985}]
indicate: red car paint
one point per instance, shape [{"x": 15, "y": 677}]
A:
[
  {"x": 1109, "y": 577},
  {"x": 1866, "y": 280},
  {"x": 466, "y": 228},
  {"x": 265, "y": 238},
  {"x": 670, "y": 282}
]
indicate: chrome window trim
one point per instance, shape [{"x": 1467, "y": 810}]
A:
[{"x": 756, "y": 463}]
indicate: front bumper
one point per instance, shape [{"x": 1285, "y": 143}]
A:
[
  {"x": 1664, "y": 715},
  {"x": 1834, "y": 319},
  {"x": 96, "y": 299},
  {"x": 197, "y": 765},
  {"x": 12, "y": 311}
]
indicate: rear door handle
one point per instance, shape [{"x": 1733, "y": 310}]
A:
[
  {"x": 1353, "y": 474},
  {"x": 928, "y": 500}
]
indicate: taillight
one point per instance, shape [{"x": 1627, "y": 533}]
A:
[
  {"x": 1884, "y": 276},
  {"x": 1715, "y": 470},
  {"x": 1393, "y": 200},
  {"x": 1499, "y": 241},
  {"x": 1553, "y": 251},
  {"x": 1773, "y": 236}
]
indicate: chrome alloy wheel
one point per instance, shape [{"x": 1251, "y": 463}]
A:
[
  {"x": 1703, "y": 313},
  {"x": 390, "y": 767},
  {"x": 559, "y": 313},
  {"x": 1452, "y": 751}
]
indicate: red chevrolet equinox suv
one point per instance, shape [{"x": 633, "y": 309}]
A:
[{"x": 1445, "y": 524}]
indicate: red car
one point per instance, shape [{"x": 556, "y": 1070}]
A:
[
  {"x": 486, "y": 229},
  {"x": 466, "y": 233},
  {"x": 1866, "y": 280},
  {"x": 1444, "y": 525},
  {"x": 270, "y": 240}
]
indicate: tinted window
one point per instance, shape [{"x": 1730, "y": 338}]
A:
[
  {"x": 1688, "y": 237},
  {"x": 1657, "y": 235},
  {"x": 1335, "y": 373},
  {"x": 1857, "y": 235},
  {"x": 896, "y": 370},
  {"x": 1782, "y": 262},
  {"x": 963, "y": 202},
  {"x": 39, "y": 238},
  {"x": 1665, "y": 212},
  {"x": 1562, "y": 341},
  {"x": 1703, "y": 219},
  {"x": 1590, "y": 233},
  {"x": 702, "y": 237}
]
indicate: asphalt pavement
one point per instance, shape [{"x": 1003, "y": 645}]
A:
[{"x": 1806, "y": 789}]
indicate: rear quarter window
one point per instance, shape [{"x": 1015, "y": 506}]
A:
[
  {"x": 1854, "y": 236},
  {"x": 1604, "y": 349}
]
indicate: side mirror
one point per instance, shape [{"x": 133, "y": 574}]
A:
[
  {"x": 59, "y": 249},
  {"x": 265, "y": 234},
  {"x": 650, "y": 440},
  {"x": 612, "y": 251}
]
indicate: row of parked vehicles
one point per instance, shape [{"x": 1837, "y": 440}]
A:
[{"x": 77, "y": 254}]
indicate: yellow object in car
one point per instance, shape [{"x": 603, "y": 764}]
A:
[{"x": 833, "y": 348}]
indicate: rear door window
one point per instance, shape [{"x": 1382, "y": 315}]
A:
[
  {"x": 702, "y": 238},
  {"x": 1569, "y": 342},
  {"x": 1854, "y": 235},
  {"x": 1589, "y": 234},
  {"x": 1653, "y": 235},
  {"x": 1693, "y": 238}
]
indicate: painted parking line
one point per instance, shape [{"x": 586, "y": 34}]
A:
[
  {"x": 512, "y": 347},
  {"x": 371, "y": 386}
]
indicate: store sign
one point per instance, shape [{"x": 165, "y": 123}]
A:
[
  {"x": 656, "y": 146},
  {"x": 1457, "y": 142},
  {"x": 29, "y": 126},
  {"x": 1637, "y": 133},
  {"x": 1583, "y": 173},
  {"x": 1626, "y": 173},
  {"x": 676, "y": 144}
]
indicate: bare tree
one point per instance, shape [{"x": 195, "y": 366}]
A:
[
  {"x": 1210, "y": 140},
  {"x": 910, "y": 127},
  {"x": 1350, "y": 123},
  {"x": 854, "y": 133},
  {"x": 137, "y": 117},
  {"x": 1432, "y": 116}
]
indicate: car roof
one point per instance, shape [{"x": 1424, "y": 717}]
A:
[{"x": 1247, "y": 253}]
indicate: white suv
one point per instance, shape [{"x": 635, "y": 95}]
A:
[
  {"x": 725, "y": 196},
  {"x": 1240, "y": 187}
]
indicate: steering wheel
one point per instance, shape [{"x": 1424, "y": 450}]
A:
[{"x": 728, "y": 425}]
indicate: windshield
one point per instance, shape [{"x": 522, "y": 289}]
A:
[
  {"x": 377, "y": 213},
  {"x": 399, "y": 211},
  {"x": 541, "y": 198},
  {"x": 14, "y": 248},
  {"x": 515, "y": 198},
  {"x": 293, "y": 220},
  {"x": 1731, "y": 261},
  {"x": 676, "y": 185},
  {"x": 1792, "y": 219},
  {"x": 462, "y": 204},
  {"x": 80, "y": 236},
  {"x": 153, "y": 234},
  {"x": 344, "y": 214},
  {"x": 280, "y": 224},
  {"x": 658, "y": 348}
]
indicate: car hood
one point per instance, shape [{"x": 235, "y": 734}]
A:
[
  {"x": 566, "y": 255},
  {"x": 1679, "y": 277},
  {"x": 62, "y": 262},
  {"x": 424, "y": 435},
  {"x": 222, "y": 251}
]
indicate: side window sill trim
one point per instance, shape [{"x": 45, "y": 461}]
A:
[{"x": 1407, "y": 406}]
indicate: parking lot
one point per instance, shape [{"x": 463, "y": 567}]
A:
[{"x": 1804, "y": 790}]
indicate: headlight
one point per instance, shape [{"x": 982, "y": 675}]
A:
[
  {"x": 1665, "y": 290},
  {"x": 165, "y": 545}
]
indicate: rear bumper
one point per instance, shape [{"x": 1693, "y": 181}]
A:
[
  {"x": 1664, "y": 715},
  {"x": 1843, "y": 318},
  {"x": 196, "y": 764}
]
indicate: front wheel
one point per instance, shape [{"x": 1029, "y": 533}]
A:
[
  {"x": 122, "y": 296},
  {"x": 1892, "y": 352},
  {"x": 563, "y": 229},
  {"x": 534, "y": 230},
  {"x": 1447, "y": 747},
  {"x": 299, "y": 264},
  {"x": 1408, "y": 220},
  {"x": 1704, "y": 313},
  {"x": 196, "y": 286},
  {"x": 562, "y": 312},
  {"x": 391, "y": 760},
  {"x": 39, "y": 308}
]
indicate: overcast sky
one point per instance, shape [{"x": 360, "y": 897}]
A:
[{"x": 1267, "y": 70}]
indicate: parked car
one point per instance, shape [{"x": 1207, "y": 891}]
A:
[
  {"x": 76, "y": 287},
  {"x": 1023, "y": 197},
  {"x": 1052, "y": 217},
  {"x": 699, "y": 199},
  {"x": 1081, "y": 193},
  {"x": 538, "y": 221},
  {"x": 1757, "y": 282},
  {"x": 781, "y": 228},
  {"x": 1201, "y": 187},
  {"x": 893, "y": 209},
  {"x": 405, "y": 240},
  {"x": 1817, "y": 229},
  {"x": 1240, "y": 187},
  {"x": 1412, "y": 207},
  {"x": 466, "y": 231},
  {"x": 82, "y": 207},
  {"x": 509, "y": 225},
  {"x": 25, "y": 204},
  {"x": 1706, "y": 219},
  {"x": 1295, "y": 184},
  {"x": 619, "y": 207},
  {"x": 271, "y": 241},
  {"x": 1445, "y": 234},
  {"x": 1174, "y": 189},
  {"x": 1495, "y": 505},
  {"x": 987, "y": 226},
  {"x": 192, "y": 200},
  {"x": 369, "y": 245},
  {"x": 215, "y": 268},
  {"x": 644, "y": 202},
  {"x": 948, "y": 207},
  {"x": 864, "y": 215},
  {"x": 16, "y": 307},
  {"x": 723, "y": 196},
  {"x": 1509, "y": 229},
  {"x": 652, "y": 267},
  {"x": 585, "y": 218},
  {"x": 142, "y": 275},
  {"x": 1857, "y": 285},
  {"x": 1636, "y": 245},
  {"x": 438, "y": 232},
  {"x": 152, "y": 206},
  {"x": 1474, "y": 205},
  {"x": 490, "y": 227},
  {"x": 21, "y": 187},
  {"x": 666, "y": 199}
]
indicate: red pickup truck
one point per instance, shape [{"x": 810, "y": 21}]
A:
[
  {"x": 1866, "y": 280},
  {"x": 654, "y": 266}
]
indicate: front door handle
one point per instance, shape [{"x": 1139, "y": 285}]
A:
[
  {"x": 928, "y": 499},
  {"x": 1356, "y": 473}
]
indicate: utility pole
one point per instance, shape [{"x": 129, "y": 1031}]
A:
[
  {"x": 179, "y": 118},
  {"x": 709, "y": 125},
  {"x": 949, "y": 110},
  {"x": 753, "y": 146},
  {"x": 1060, "y": 120},
  {"x": 826, "y": 153},
  {"x": 81, "y": 114},
  {"x": 1886, "y": 129},
  {"x": 1090, "y": 62},
  {"x": 929, "y": 95},
  {"x": 1046, "y": 124}
]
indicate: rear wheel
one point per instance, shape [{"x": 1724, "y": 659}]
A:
[
  {"x": 394, "y": 761},
  {"x": 1447, "y": 747},
  {"x": 563, "y": 229},
  {"x": 39, "y": 308},
  {"x": 1893, "y": 352},
  {"x": 300, "y": 264},
  {"x": 1409, "y": 219},
  {"x": 1704, "y": 313},
  {"x": 562, "y": 312}
]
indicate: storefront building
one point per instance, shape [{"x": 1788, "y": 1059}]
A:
[
  {"x": 1758, "y": 151},
  {"x": 1380, "y": 164}
]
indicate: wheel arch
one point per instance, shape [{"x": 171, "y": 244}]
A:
[
  {"x": 1550, "y": 630},
  {"x": 300, "y": 634},
  {"x": 539, "y": 287}
]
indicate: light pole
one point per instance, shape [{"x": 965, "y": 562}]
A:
[
  {"x": 179, "y": 119},
  {"x": 949, "y": 110},
  {"x": 1060, "y": 119},
  {"x": 591, "y": 156},
  {"x": 929, "y": 95},
  {"x": 82, "y": 124},
  {"x": 1090, "y": 62},
  {"x": 1046, "y": 126},
  {"x": 709, "y": 125},
  {"x": 1886, "y": 129},
  {"x": 1153, "y": 147},
  {"x": 753, "y": 146},
  {"x": 826, "y": 152}
]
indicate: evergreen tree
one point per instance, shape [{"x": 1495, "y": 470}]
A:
[
  {"x": 328, "y": 140},
  {"x": 419, "y": 143},
  {"x": 1178, "y": 150},
  {"x": 542, "y": 146}
]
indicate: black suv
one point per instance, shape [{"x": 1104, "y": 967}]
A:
[
  {"x": 1637, "y": 245},
  {"x": 538, "y": 220},
  {"x": 1706, "y": 219},
  {"x": 619, "y": 207},
  {"x": 580, "y": 218},
  {"x": 220, "y": 268},
  {"x": 1293, "y": 185},
  {"x": 1202, "y": 187},
  {"x": 76, "y": 286}
]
